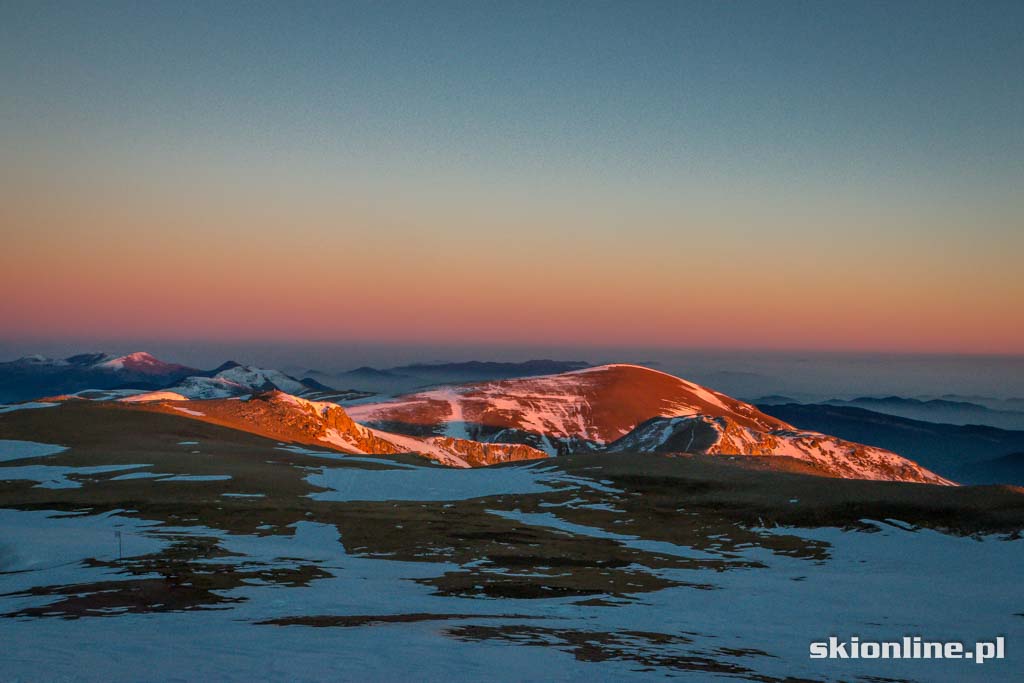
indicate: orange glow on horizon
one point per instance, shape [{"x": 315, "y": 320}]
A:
[{"x": 97, "y": 265}]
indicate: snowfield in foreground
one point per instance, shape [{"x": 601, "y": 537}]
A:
[
  {"x": 366, "y": 615},
  {"x": 777, "y": 609}
]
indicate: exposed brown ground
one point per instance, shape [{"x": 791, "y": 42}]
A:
[
  {"x": 752, "y": 489},
  {"x": 746, "y": 488},
  {"x": 639, "y": 647},
  {"x": 275, "y": 416},
  {"x": 270, "y": 416}
]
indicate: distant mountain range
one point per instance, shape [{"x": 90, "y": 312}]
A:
[
  {"x": 1013, "y": 404},
  {"x": 939, "y": 410},
  {"x": 610, "y": 408},
  {"x": 138, "y": 374},
  {"x": 974, "y": 454},
  {"x": 409, "y": 377},
  {"x": 35, "y": 376},
  {"x": 547, "y": 407},
  {"x": 486, "y": 370}
]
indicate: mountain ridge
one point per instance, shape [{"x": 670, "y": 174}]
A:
[
  {"x": 146, "y": 377},
  {"x": 962, "y": 452},
  {"x": 31, "y": 377},
  {"x": 593, "y": 409},
  {"x": 609, "y": 408},
  {"x": 279, "y": 415}
]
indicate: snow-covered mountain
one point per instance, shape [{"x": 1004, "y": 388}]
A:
[
  {"x": 232, "y": 380},
  {"x": 571, "y": 411},
  {"x": 36, "y": 376},
  {"x": 723, "y": 436},
  {"x": 625, "y": 407},
  {"x": 610, "y": 408},
  {"x": 142, "y": 363},
  {"x": 146, "y": 378}
]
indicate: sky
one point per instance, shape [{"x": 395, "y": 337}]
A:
[{"x": 840, "y": 176}]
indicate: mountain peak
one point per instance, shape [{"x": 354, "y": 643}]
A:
[
  {"x": 136, "y": 358},
  {"x": 623, "y": 407},
  {"x": 140, "y": 362},
  {"x": 226, "y": 365}
]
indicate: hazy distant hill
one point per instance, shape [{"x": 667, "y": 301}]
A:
[
  {"x": 965, "y": 453},
  {"x": 938, "y": 410},
  {"x": 418, "y": 375},
  {"x": 487, "y": 370},
  {"x": 36, "y": 377}
]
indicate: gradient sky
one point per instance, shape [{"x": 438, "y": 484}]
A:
[{"x": 819, "y": 175}]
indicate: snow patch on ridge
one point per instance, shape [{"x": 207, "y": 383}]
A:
[
  {"x": 139, "y": 358},
  {"x": 235, "y": 382},
  {"x": 153, "y": 396},
  {"x": 182, "y": 409}
]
